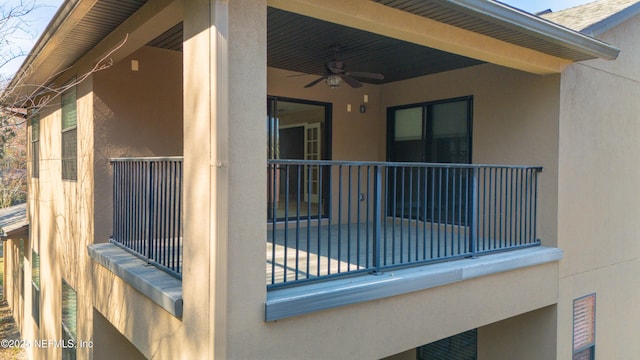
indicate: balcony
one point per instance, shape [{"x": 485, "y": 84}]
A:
[
  {"x": 147, "y": 210},
  {"x": 334, "y": 219},
  {"x": 147, "y": 230}
]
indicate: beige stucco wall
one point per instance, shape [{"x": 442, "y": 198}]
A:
[
  {"x": 154, "y": 332},
  {"x": 388, "y": 326},
  {"x": 530, "y": 336},
  {"x": 137, "y": 113},
  {"x": 109, "y": 343},
  {"x": 598, "y": 203},
  {"x": 63, "y": 210},
  {"x": 150, "y": 126}
]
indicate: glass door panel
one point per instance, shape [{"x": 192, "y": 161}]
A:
[
  {"x": 449, "y": 143},
  {"x": 407, "y": 145},
  {"x": 435, "y": 132},
  {"x": 297, "y": 130}
]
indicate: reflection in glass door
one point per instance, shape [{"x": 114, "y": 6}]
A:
[
  {"x": 433, "y": 132},
  {"x": 312, "y": 147},
  {"x": 297, "y": 130}
]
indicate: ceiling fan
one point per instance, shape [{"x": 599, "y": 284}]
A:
[{"x": 335, "y": 73}]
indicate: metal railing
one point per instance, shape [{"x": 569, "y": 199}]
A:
[
  {"x": 334, "y": 218},
  {"x": 147, "y": 209}
]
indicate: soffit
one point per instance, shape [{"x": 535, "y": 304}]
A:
[
  {"x": 100, "y": 20},
  {"x": 170, "y": 39}
]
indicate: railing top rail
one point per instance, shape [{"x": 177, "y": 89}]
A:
[
  {"x": 147, "y": 159},
  {"x": 396, "y": 164}
]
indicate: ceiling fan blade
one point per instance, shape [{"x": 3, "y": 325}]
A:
[
  {"x": 351, "y": 81},
  {"x": 314, "y": 82},
  {"x": 367, "y": 75}
]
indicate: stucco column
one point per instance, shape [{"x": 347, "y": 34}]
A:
[
  {"x": 247, "y": 187},
  {"x": 199, "y": 87},
  {"x": 224, "y": 166}
]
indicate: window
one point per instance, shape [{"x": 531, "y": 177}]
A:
[
  {"x": 463, "y": 346},
  {"x": 434, "y": 132},
  {"x": 35, "y": 285},
  {"x": 69, "y": 135},
  {"x": 584, "y": 327},
  {"x": 69, "y": 320},
  {"x": 35, "y": 146}
]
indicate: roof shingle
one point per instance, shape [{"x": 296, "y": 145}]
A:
[{"x": 596, "y": 17}]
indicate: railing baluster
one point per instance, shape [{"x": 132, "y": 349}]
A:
[
  {"x": 329, "y": 215},
  {"x": 417, "y": 222},
  {"x": 474, "y": 214},
  {"x": 386, "y": 213},
  {"x": 349, "y": 196},
  {"x": 377, "y": 216},
  {"x": 298, "y": 184},
  {"x": 433, "y": 208},
  {"x": 410, "y": 218},
  {"x": 424, "y": 215},
  {"x": 454, "y": 239},
  {"x": 440, "y": 211},
  {"x": 320, "y": 210},
  {"x": 446, "y": 212},
  {"x": 358, "y": 222},
  {"x": 286, "y": 223},
  {"x": 535, "y": 206},
  {"x": 274, "y": 217},
  {"x": 339, "y": 217},
  {"x": 500, "y": 210},
  {"x": 367, "y": 206},
  {"x": 308, "y": 169}
]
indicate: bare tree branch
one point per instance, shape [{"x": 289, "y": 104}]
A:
[{"x": 20, "y": 99}]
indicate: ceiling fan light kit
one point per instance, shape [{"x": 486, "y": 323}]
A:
[{"x": 334, "y": 81}]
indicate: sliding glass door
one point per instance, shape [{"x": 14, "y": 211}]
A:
[
  {"x": 297, "y": 130},
  {"x": 431, "y": 132}
]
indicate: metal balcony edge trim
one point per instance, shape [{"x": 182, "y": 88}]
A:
[
  {"x": 304, "y": 299},
  {"x": 162, "y": 288}
]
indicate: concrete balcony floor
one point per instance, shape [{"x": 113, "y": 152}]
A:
[{"x": 312, "y": 249}]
